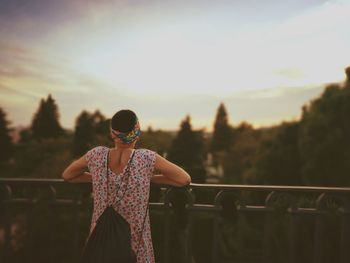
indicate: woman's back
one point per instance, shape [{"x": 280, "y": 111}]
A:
[
  {"x": 128, "y": 193},
  {"x": 128, "y": 185},
  {"x": 119, "y": 159}
]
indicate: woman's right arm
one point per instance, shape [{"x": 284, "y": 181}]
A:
[
  {"x": 76, "y": 170},
  {"x": 171, "y": 173}
]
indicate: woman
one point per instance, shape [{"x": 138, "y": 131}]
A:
[{"x": 130, "y": 172}]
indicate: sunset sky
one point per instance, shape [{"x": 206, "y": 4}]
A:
[{"x": 165, "y": 59}]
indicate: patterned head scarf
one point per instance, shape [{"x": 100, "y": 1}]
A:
[{"x": 127, "y": 137}]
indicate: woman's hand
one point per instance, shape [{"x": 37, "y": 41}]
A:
[
  {"x": 76, "y": 171},
  {"x": 171, "y": 173}
]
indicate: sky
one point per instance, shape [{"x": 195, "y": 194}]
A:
[{"x": 165, "y": 59}]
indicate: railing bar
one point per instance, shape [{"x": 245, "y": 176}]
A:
[{"x": 339, "y": 190}]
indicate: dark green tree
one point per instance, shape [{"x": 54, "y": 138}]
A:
[
  {"x": 241, "y": 156},
  {"x": 84, "y": 134},
  {"x": 101, "y": 124},
  {"x": 6, "y": 144},
  {"x": 91, "y": 129},
  {"x": 278, "y": 159},
  {"x": 25, "y": 135},
  {"x": 45, "y": 123},
  {"x": 101, "y": 128},
  {"x": 222, "y": 135},
  {"x": 187, "y": 150},
  {"x": 347, "y": 81},
  {"x": 156, "y": 140},
  {"x": 324, "y": 142},
  {"x": 42, "y": 159}
]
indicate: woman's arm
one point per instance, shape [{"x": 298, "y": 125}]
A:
[
  {"x": 161, "y": 179},
  {"x": 171, "y": 173},
  {"x": 82, "y": 178},
  {"x": 76, "y": 171}
]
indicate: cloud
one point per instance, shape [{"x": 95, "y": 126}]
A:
[
  {"x": 25, "y": 68},
  {"x": 27, "y": 75},
  {"x": 291, "y": 73},
  {"x": 166, "y": 63}
]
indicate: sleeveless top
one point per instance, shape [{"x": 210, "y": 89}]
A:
[{"x": 133, "y": 206}]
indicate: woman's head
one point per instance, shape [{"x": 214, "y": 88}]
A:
[{"x": 125, "y": 127}]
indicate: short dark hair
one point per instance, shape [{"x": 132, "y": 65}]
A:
[{"x": 124, "y": 121}]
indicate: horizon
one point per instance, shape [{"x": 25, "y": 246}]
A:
[{"x": 166, "y": 59}]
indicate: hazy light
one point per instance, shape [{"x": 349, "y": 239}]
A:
[{"x": 153, "y": 55}]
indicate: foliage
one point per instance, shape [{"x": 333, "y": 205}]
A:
[
  {"x": 241, "y": 156},
  {"x": 324, "y": 142},
  {"x": 347, "y": 81},
  {"x": 278, "y": 160},
  {"x": 312, "y": 151},
  {"x": 25, "y": 135},
  {"x": 6, "y": 144},
  {"x": 90, "y": 130},
  {"x": 45, "y": 123},
  {"x": 44, "y": 159},
  {"x": 187, "y": 151},
  {"x": 159, "y": 141},
  {"x": 222, "y": 135}
]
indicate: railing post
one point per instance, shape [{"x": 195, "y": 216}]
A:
[
  {"x": 267, "y": 250},
  {"x": 345, "y": 231},
  {"x": 189, "y": 208},
  {"x": 216, "y": 228},
  {"x": 216, "y": 238},
  {"x": 167, "y": 224},
  {"x": 319, "y": 248},
  {"x": 319, "y": 242},
  {"x": 189, "y": 238},
  {"x": 50, "y": 201},
  {"x": 293, "y": 235}
]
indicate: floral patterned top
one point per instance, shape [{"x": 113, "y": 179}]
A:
[{"x": 133, "y": 206}]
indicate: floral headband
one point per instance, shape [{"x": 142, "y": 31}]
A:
[{"x": 127, "y": 137}]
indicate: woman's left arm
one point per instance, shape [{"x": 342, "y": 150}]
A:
[{"x": 76, "y": 171}]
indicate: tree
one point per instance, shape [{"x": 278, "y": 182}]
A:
[
  {"x": 84, "y": 134},
  {"x": 42, "y": 159},
  {"x": 347, "y": 81},
  {"x": 6, "y": 144},
  {"x": 45, "y": 123},
  {"x": 156, "y": 140},
  {"x": 278, "y": 159},
  {"x": 222, "y": 135},
  {"x": 324, "y": 142},
  {"x": 100, "y": 123},
  {"x": 90, "y": 130},
  {"x": 187, "y": 151},
  {"x": 242, "y": 154}
]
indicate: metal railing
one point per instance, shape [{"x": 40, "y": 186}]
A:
[{"x": 180, "y": 212}]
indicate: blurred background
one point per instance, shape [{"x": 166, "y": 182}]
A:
[{"x": 236, "y": 92}]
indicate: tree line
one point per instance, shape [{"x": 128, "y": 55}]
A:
[{"x": 314, "y": 150}]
